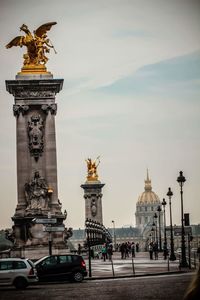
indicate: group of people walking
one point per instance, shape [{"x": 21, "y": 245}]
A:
[
  {"x": 128, "y": 249},
  {"x": 153, "y": 250}
]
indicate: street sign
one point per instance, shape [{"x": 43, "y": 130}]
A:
[
  {"x": 54, "y": 229},
  {"x": 178, "y": 230},
  {"x": 45, "y": 221}
]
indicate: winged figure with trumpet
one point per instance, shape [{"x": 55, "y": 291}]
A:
[{"x": 37, "y": 44}]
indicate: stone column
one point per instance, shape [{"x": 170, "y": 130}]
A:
[
  {"x": 50, "y": 152},
  {"x": 93, "y": 200},
  {"x": 35, "y": 110},
  {"x": 20, "y": 112}
]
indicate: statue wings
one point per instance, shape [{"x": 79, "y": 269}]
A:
[
  {"x": 17, "y": 41},
  {"x": 44, "y": 28}
]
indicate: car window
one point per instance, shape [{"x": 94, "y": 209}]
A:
[
  {"x": 76, "y": 258},
  {"x": 50, "y": 261},
  {"x": 19, "y": 265},
  {"x": 65, "y": 259},
  {"x": 6, "y": 265}
]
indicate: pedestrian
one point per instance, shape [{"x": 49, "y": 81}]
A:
[
  {"x": 165, "y": 250},
  {"x": 137, "y": 247},
  {"x": 122, "y": 250},
  {"x": 126, "y": 250},
  {"x": 133, "y": 249},
  {"x": 79, "y": 249},
  {"x": 151, "y": 250},
  {"x": 104, "y": 252},
  {"x": 110, "y": 251},
  {"x": 155, "y": 250}
]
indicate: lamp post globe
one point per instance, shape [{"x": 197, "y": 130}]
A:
[
  {"x": 172, "y": 254},
  {"x": 183, "y": 263}
]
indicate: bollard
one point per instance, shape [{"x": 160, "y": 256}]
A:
[
  {"x": 89, "y": 259},
  {"x": 195, "y": 266},
  {"x": 168, "y": 263},
  {"x": 112, "y": 266},
  {"x": 133, "y": 266}
]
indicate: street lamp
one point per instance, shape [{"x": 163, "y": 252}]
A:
[
  {"x": 172, "y": 255},
  {"x": 155, "y": 217},
  {"x": 114, "y": 234},
  {"x": 164, "y": 203},
  {"x": 181, "y": 179},
  {"x": 159, "y": 209}
]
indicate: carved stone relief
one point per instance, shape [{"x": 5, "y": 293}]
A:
[
  {"x": 36, "y": 193},
  {"x": 28, "y": 94},
  {"x": 93, "y": 207},
  {"x": 51, "y": 107},
  {"x": 17, "y": 109},
  {"x": 35, "y": 133}
]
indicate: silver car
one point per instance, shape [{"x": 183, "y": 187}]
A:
[{"x": 18, "y": 272}]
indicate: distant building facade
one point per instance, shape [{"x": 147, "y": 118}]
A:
[{"x": 146, "y": 210}]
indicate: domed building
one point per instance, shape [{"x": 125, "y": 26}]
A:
[{"x": 146, "y": 208}]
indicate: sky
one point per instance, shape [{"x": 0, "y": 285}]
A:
[{"x": 131, "y": 73}]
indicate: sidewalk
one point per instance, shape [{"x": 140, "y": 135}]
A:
[{"x": 140, "y": 266}]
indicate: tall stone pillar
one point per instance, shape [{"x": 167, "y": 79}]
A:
[
  {"x": 93, "y": 193},
  {"x": 35, "y": 109}
]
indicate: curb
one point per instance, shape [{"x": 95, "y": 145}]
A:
[{"x": 137, "y": 275}]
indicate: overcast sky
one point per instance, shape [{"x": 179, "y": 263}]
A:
[{"x": 131, "y": 73}]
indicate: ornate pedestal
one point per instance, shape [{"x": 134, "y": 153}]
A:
[{"x": 93, "y": 200}]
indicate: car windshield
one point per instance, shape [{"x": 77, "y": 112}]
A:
[
  {"x": 39, "y": 260},
  {"x": 30, "y": 263}
]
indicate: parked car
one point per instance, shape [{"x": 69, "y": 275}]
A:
[
  {"x": 18, "y": 272},
  {"x": 61, "y": 267}
]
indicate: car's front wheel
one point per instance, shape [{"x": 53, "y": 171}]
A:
[{"x": 77, "y": 276}]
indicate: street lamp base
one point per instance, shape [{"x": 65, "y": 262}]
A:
[
  {"x": 184, "y": 264},
  {"x": 172, "y": 257}
]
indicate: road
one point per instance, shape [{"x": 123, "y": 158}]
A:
[{"x": 163, "y": 287}]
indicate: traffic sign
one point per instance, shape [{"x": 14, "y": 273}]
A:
[
  {"x": 45, "y": 221},
  {"x": 54, "y": 229}
]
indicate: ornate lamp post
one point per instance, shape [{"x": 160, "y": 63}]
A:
[
  {"x": 156, "y": 231},
  {"x": 159, "y": 209},
  {"x": 181, "y": 179},
  {"x": 164, "y": 203},
  {"x": 114, "y": 234},
  {"x": 172, "y": 255}
]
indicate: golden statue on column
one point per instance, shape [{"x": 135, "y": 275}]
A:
[
  {"x": 92, "y": 169},
  {"x": 37, "y": 45}
]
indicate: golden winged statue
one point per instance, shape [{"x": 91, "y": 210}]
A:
[
  {"x": 92, "y": 168},
  {"x": 37, "y": 45}
]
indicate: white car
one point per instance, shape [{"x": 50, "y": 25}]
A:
[{"x": 18, "y": 272}]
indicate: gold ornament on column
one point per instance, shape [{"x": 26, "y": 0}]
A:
[
  {"x": 37, "y": 45},
  {"x": 92, "y": 169}
]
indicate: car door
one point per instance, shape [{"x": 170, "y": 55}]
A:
[
  {"x": 65, "y": 266},
  {"x": 6, "y": 272},
  {"x": 47, "y": 269}
]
